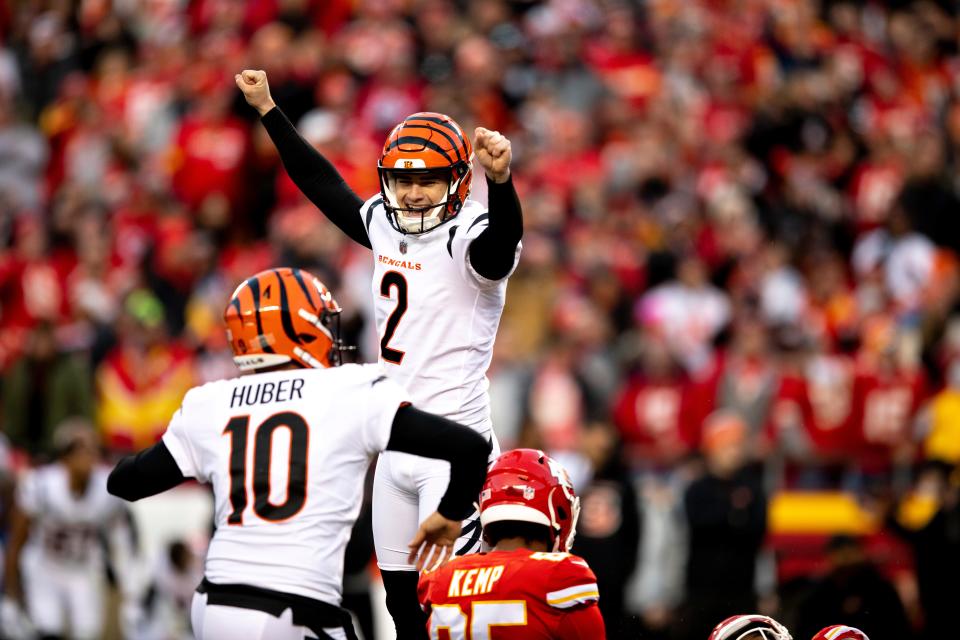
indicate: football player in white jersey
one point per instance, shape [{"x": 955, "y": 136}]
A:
[
  {"x": 441, "y": 263},
  {"x": 286, "y": 449},
  {"x": 62, "y": 517}
]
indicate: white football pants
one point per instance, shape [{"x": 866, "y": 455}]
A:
[{"x": 407, "y": 489}]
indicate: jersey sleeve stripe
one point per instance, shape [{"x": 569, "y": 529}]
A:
[
  {"x": 480, "y": 218},
  {"x": 453, "y": 231},
  {"x": 573, "y": 595},
  {"x": 373, "y": 205}
]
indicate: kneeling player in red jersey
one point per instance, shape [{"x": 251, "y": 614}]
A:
[{"x": 528, "y": 587}]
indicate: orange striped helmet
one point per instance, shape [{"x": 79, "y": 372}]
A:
[
  {"x": 426, "y": 143},
  {"x": 280, "y": 316}
]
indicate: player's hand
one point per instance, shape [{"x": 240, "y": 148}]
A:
[
  {"x": 253, "y": 84},
  {"x": 433, "y": 544},
  {"x": 493, "y": 152}
]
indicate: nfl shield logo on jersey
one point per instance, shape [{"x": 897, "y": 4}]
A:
[{"x": 403, "y": 246}]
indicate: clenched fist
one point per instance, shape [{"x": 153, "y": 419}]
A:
[
  {"x": 493, "y": 152},
  {"x": 255, "y": 89}
]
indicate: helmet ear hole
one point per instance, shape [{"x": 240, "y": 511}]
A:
[{"x": 306, "y": 338}]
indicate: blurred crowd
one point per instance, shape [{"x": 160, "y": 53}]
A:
[{"x": 739, "y": 274}]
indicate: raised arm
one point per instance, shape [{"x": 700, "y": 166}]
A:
[
  {"x": 493, "y": 252},
  {"x": 313, "y": 174}
]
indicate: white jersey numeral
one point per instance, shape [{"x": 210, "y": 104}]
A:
[{"x": 483, "y": 616}]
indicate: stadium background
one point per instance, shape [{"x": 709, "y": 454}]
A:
[{"x": 741, "y": 230}]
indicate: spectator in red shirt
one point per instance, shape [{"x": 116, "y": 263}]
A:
[
  {"x": 209, "y": 156},
  {"x": 649, "y": 411}
]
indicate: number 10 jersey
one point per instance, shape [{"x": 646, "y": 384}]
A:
[{"x": 286, "y": 453}]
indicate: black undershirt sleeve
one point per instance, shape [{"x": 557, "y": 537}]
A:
[
  {"x": 424, "y": 434},
  {"x": 145, "y": 474},
  {"x": 493, "y": 251},
  {"x": 316, "y": 177}
]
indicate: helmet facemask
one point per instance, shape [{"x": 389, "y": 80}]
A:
[
  {"x": 329, "y": 324},
  {"x": 750, "y": 627},
  {"x": 561, "y": 542},
  {"x": 416, "y": 220},
  {"x": 758, "y": 634}
]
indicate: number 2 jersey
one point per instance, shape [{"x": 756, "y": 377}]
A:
[
  {"x": 513, "y": 595},
  {"x": 286, "y": 453},
  {"x": 436, "y": 316}
]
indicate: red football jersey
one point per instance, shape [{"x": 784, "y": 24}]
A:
[
  {"x": 512, "y": 595},
  {"x": 885, "y": 407},
  {"x": 821, "y": 399}
]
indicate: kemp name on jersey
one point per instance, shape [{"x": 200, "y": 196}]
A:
[{"x": 513, "y": 595}]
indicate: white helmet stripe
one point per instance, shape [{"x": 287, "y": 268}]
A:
[
  {"x": 516, "y": 512},
  {"x": 306, "y": 357},
  {"x": 314, "y": 320}
]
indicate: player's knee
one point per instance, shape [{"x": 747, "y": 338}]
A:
[{"x": 402, "y": 603}]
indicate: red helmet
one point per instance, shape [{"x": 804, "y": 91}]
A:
[
  {"x": 840, "y": 632},
  {"x": 527, "y": 485},
  {"x": 426, "y": 143},
  {"x": 750, "y": 627}
]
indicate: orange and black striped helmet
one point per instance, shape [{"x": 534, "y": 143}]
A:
[
  {"x": 426, "y": 143},
  {"x": 280, "y": 316}
]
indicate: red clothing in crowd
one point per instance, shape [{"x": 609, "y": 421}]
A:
[
  {"x": 885, "y": 404},
  {"x": 210, "y": 159},
  {"x": 653, "y": 421}
]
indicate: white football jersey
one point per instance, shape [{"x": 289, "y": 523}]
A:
[
  {"x": 67, "y": 530},
  {"x": 286, "y": 453},
  {"x": 436, "y": 316}
]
